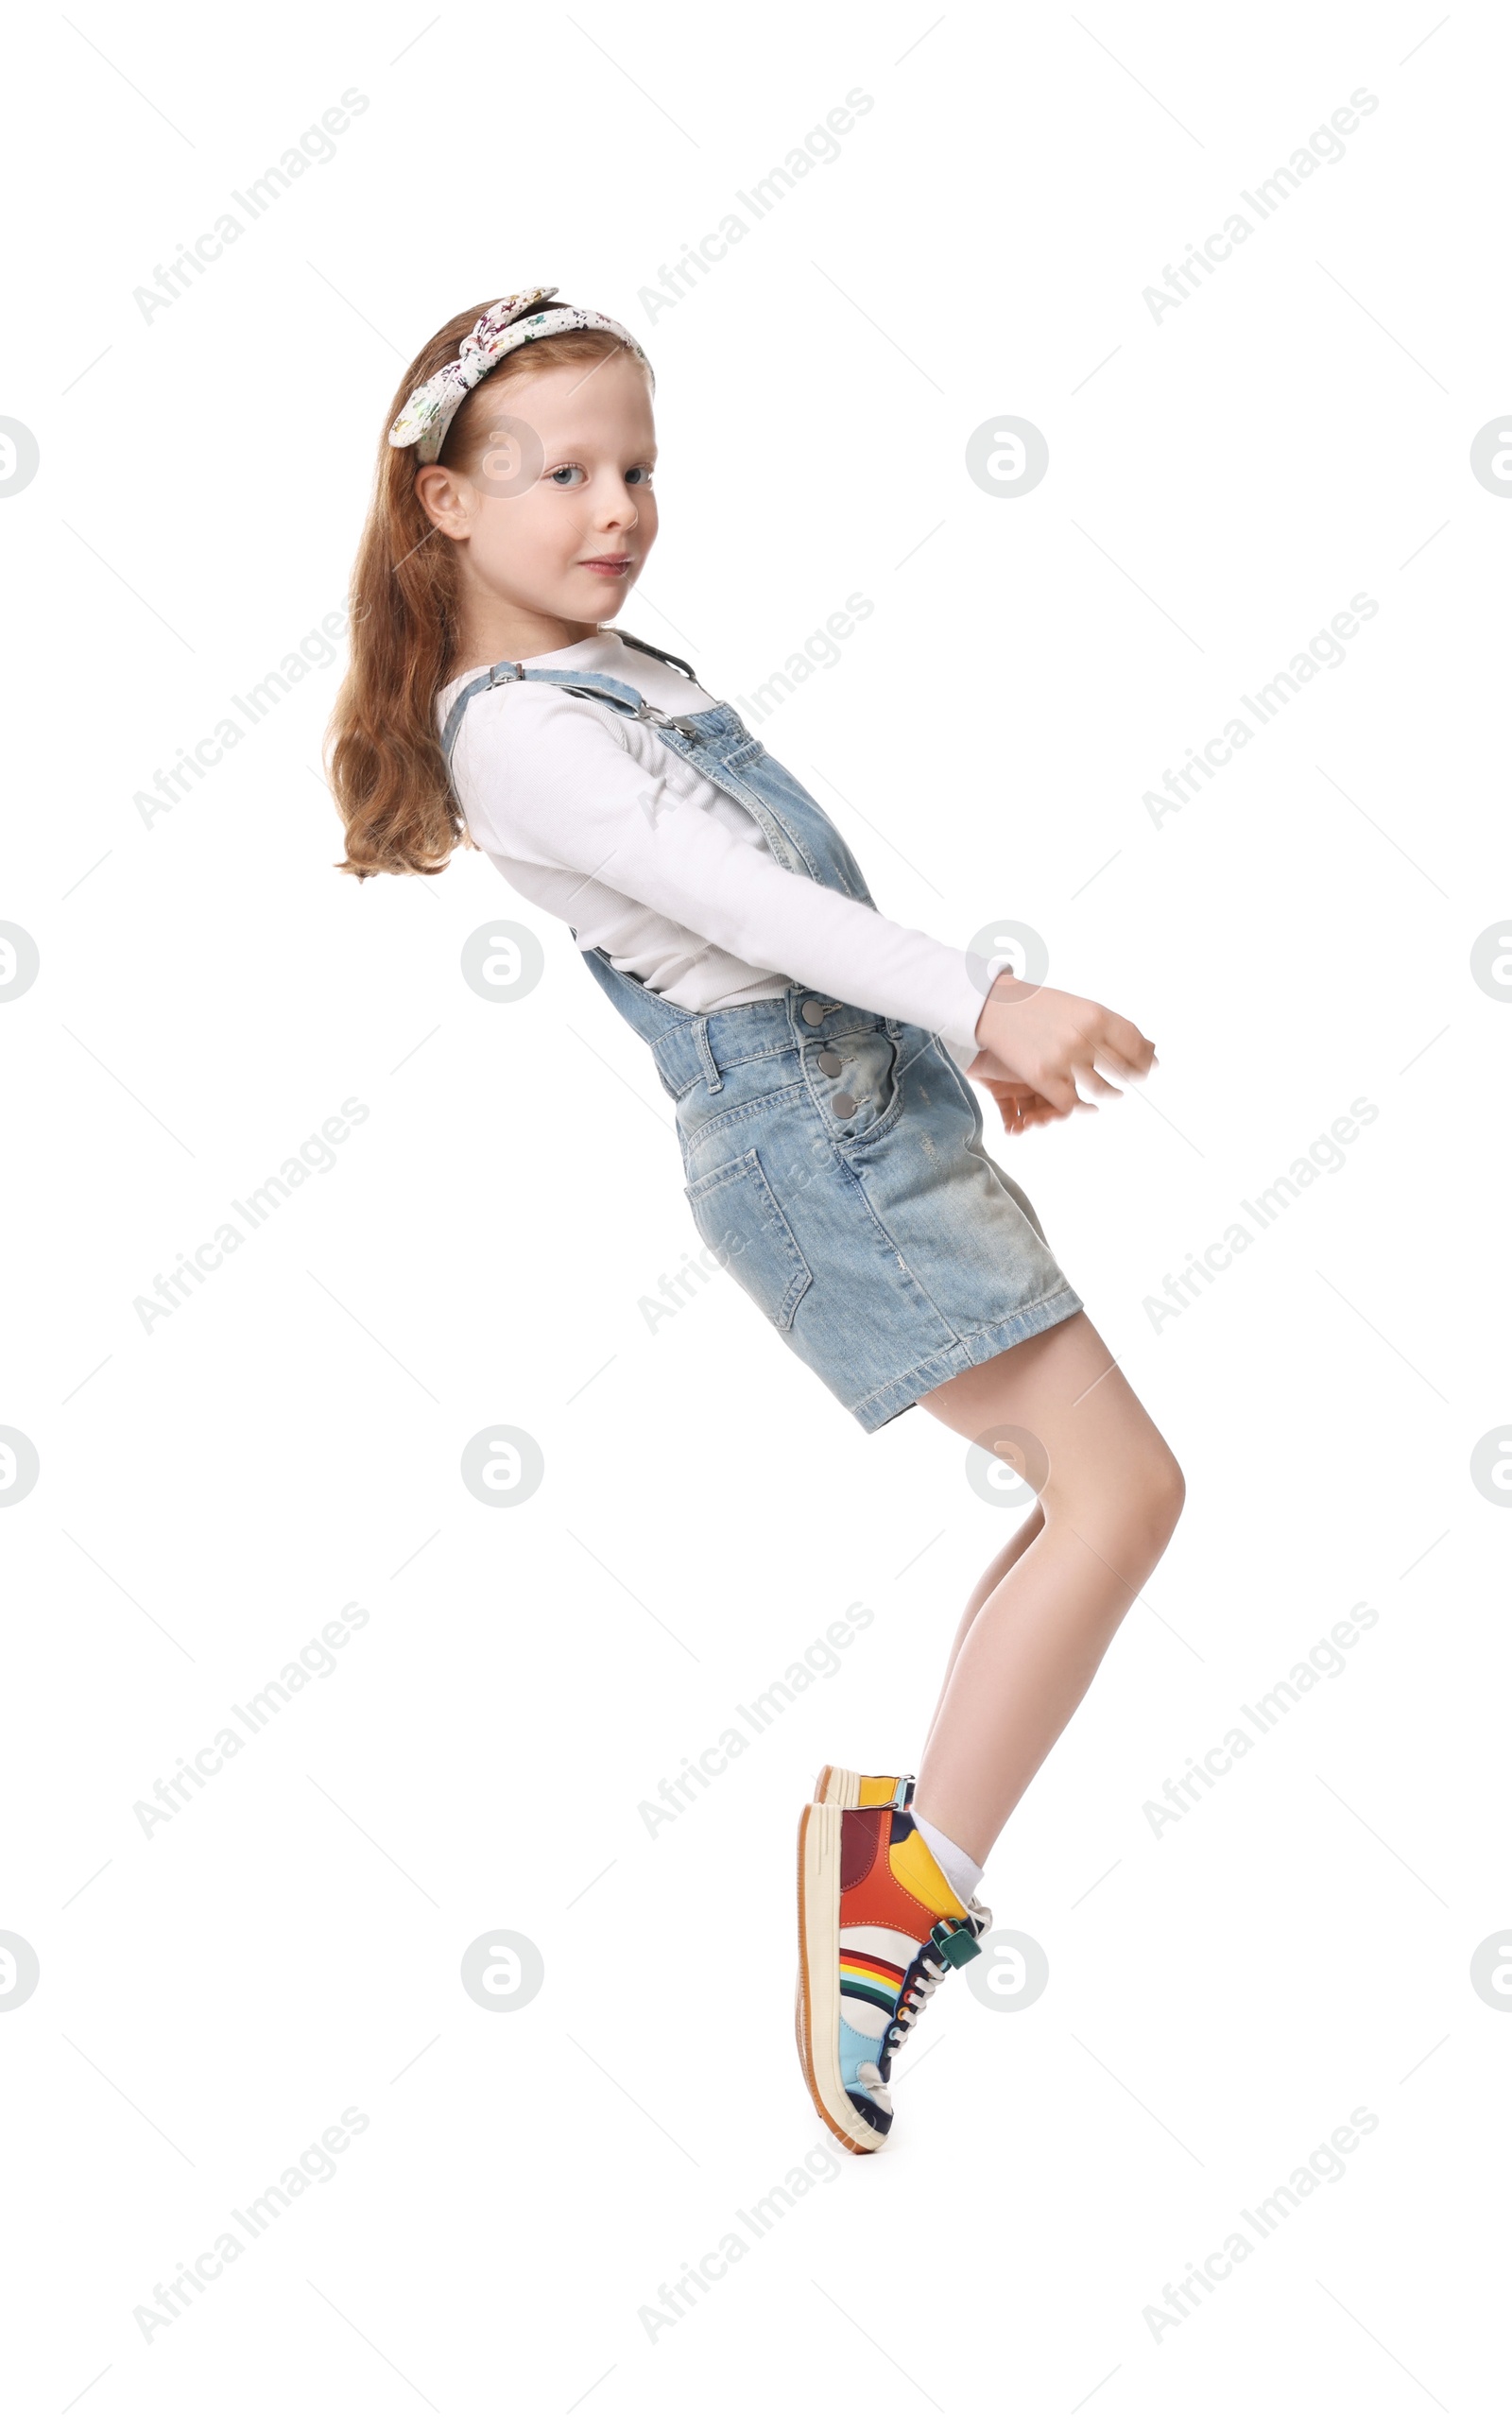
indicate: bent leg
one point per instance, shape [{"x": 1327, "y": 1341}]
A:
[
  {"x": 1107, "y": 1506},
  {"x": 995, "y": 1572}
]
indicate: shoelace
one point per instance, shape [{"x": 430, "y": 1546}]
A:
[
  {"x": 931, "y": 1974},
  {"x": 911, "y": 2006}
]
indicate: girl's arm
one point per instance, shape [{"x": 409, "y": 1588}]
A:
[{"x": 548, "y": 779}]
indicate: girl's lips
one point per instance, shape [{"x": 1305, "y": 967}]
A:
[{"x": 606, "y": 564}]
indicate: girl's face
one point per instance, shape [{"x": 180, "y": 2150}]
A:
[{"x": 554, "y": 514}]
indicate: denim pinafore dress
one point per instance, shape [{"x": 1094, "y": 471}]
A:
[{"x": 833, "y": 1158}]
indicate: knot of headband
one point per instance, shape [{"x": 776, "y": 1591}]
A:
[{"x": 427, "y": 415}]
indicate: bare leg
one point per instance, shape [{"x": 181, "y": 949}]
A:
[
  {"x": 1106, "y": 1511},
  {"x": 992, "y": 1576}
]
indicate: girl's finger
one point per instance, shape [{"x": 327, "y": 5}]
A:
[
  {"x": 1060, "y": 1091},
  {"x": 1129, "y": 1044},
  {"x": 1090, "y": 1078},
  {"x": 1110, "y": 1060}
]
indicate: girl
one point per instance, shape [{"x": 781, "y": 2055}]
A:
[{"x": 814, "y": 1052}]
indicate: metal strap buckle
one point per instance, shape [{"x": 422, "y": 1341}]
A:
[
  {"x": 651, "y": 715},
  {"x": 508, "y": 670}
]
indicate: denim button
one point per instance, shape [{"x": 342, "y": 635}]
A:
[
  {"x": 830, "y": 1062},
  {"x": 812, "y": 1013},
  {"x": 844, "y": 1106}
]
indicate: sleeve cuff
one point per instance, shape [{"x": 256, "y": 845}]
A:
[{"x": 958, "y": 1027}]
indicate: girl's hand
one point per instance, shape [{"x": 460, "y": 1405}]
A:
[
  {"x": 1059, "y": 1049},
  {"x": 1020, "y": 1106}
]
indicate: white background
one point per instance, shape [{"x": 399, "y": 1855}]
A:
[{"x": 211, "y": 1491}]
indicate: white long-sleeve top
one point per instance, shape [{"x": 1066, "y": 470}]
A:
[{"x": 590, "y": 816}]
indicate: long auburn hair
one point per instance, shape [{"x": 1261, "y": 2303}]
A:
[{"x": 382, "y": 752}]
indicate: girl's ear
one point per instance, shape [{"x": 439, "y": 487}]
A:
[{"x": 444, "y": 497}]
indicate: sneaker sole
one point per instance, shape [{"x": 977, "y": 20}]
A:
[
  {"x": 817, "y": 2017},
  {"x": 835, "y": 1787}
]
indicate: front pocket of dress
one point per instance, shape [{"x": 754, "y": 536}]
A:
[{"x": 740, "y": 1220}]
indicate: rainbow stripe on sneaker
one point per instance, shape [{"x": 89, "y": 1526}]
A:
[{"x": 867, "y": 1975}]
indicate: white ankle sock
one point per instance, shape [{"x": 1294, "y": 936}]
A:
[{"x": 962, "y": 1871}]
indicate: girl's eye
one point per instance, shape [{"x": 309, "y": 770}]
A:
[{"x": 561, "y": 475}]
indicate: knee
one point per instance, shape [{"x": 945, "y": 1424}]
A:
[
  {"x": 1129, "y": 1516},
  {"x": 1165, "y": 1492},
  {"x": 1153, "y": 1505}
]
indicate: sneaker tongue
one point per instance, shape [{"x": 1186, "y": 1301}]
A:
[{"x": 916, "y": 1869}]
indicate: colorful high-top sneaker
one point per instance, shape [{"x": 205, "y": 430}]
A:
[
  {"x": 879, "y": 1929},
  {"x": 836, "y": 1787}
]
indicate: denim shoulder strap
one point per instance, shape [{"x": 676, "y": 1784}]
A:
[
  {"x": 648, "y": 649},
  {"x": 715, "y": 741},
  {"x": 582, "y": 683}
]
